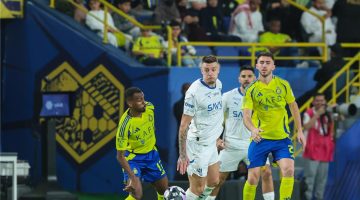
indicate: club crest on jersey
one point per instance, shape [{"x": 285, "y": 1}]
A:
[
  {"x": 278, "y": 90},
  {"x": 259, "y": 94}
]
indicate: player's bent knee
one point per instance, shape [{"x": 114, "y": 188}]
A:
[
  {"x": 199, "y": 189},
  {"x": 266, "y": 174},
  {"x": 288, "y": 171}
]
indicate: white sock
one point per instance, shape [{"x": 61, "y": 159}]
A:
[
  {"x": 269, "y": 196},
  {"x": 211, "y": 198},
  {"x": 190, "y": 195},
  {"x": 207, "y": 191}
]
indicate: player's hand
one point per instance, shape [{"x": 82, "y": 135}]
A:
[
  {"x": 255, "y": 135},
  {"x": 182, "y": 164},
  {"x": 134, "y": 187},
  {"x": 301, "y": 139},
  {"x": 220, "y": 144}
]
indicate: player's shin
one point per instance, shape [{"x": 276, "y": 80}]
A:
[
  {"x": 286, "y": 188},
  {"x": 249, "y": 191}
]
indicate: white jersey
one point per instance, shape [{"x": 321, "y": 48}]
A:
[
  {"x": 236, "y": 135},
  {"x": 204, "y": 104}
]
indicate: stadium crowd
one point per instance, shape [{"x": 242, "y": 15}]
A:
[{"x": 273, "y": 21}]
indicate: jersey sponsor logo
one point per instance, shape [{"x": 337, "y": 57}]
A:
[
  {"x": 189, "y": 105},
  {"x": 269, "y": 100},
  {"x": 237, "y": 114},
  {"x": 215, "y": 106},
  {"x": 136, "y": 130}
]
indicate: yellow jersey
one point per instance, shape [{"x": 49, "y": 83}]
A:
[
  {"x": 268, "y": 102},
  {"x": 137, "y": 134},
  {"x": 149, "y": 45}
]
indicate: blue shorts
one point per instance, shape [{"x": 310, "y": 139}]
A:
[
  {"x": 258, "y": 152},
  {"x": 147, "y": 166}
]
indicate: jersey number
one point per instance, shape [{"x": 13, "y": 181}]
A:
[{"x": 291, "y": 150}]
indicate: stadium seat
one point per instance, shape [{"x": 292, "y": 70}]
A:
[{"x": 228, "y": 51}]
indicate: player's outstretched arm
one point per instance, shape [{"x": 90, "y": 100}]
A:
[
  {"x": 183, "y": 160},
  {"x": 134, "y": 185},
  {"x": 294, "y": 109}
]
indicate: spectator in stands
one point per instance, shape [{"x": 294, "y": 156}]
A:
[
  {"x": 148, "y": 49},
  {"x": 94, "y": 24},
  {"x": 275, "y": 36},
  {"x": 122, "y": 23},
  {"x": 211, "y": 20},
  {"x": 287, "y": 14},
  {"x": 313, "y": 26},
  {"x": 79, "y": 12},
  {"x": 319, "y": 131},
  {"x": 348, "y": 15},
  {"x": 248, "y": 23},
  {"x": 186, "y": 51},
  {"x": 143, "y": 10},
  {"x": 325, "y": 73},
  {"x": 166, "y": 11},
  {"x": 192, "y": 26}
]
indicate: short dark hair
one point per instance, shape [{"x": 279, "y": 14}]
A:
[
  {"x": 209, "y": 59},
  {"x": 265, "y": 54},
  {"x": 117, "y": 2},
  {"x": 317, "y": 94},
  {"x": 174, "y": 23},
  {"x": 247, "y": 67},
  {"x": 129, "y": 93}
]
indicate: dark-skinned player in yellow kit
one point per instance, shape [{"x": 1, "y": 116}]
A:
[{"x": 135, "y": 144}]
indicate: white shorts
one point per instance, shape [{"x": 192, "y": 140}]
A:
[
  {"x": 230, "y": 158},
  {"x": 200, "y": 157}
]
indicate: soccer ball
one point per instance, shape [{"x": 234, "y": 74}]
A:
[{"x": 174, "y": 193}]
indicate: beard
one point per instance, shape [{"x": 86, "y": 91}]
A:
[{"x": 265, "y": 74}]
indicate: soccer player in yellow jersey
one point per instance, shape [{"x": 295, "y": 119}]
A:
[
  {"x": 266, "y": 117},
  {"x": 135, "y": 144}
]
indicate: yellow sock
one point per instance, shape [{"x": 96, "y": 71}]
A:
[
  {"x": 249, "y": 191},
  {"x": 286, "y": 188},
  {"x": 160, "y": 197},
  {"x": 130, "y": 198}
]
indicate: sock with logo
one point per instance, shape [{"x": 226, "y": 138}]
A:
[
  {"x": 207, "y": 191},
  {"x": 249, "y": 191},
  {"x": 190, "y": 195},
  {"x": 286, "y": 188},
  {"x": 211, "y": 198}
]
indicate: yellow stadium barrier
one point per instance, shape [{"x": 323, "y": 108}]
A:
[{"x": 332, "y": 83}]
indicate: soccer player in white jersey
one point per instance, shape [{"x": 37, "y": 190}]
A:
[
  {"x": 197, "y": 142},
  {"x": 236, "y": 138}
]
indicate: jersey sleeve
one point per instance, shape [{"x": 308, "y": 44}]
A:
[
  {"x": 248, "y": 100},
  {"x": 122, "y": 135},
  {"x": 189, "y": 103},
  {"x": 306, "y": 118},
  {"x": 289, "y": 96}
]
